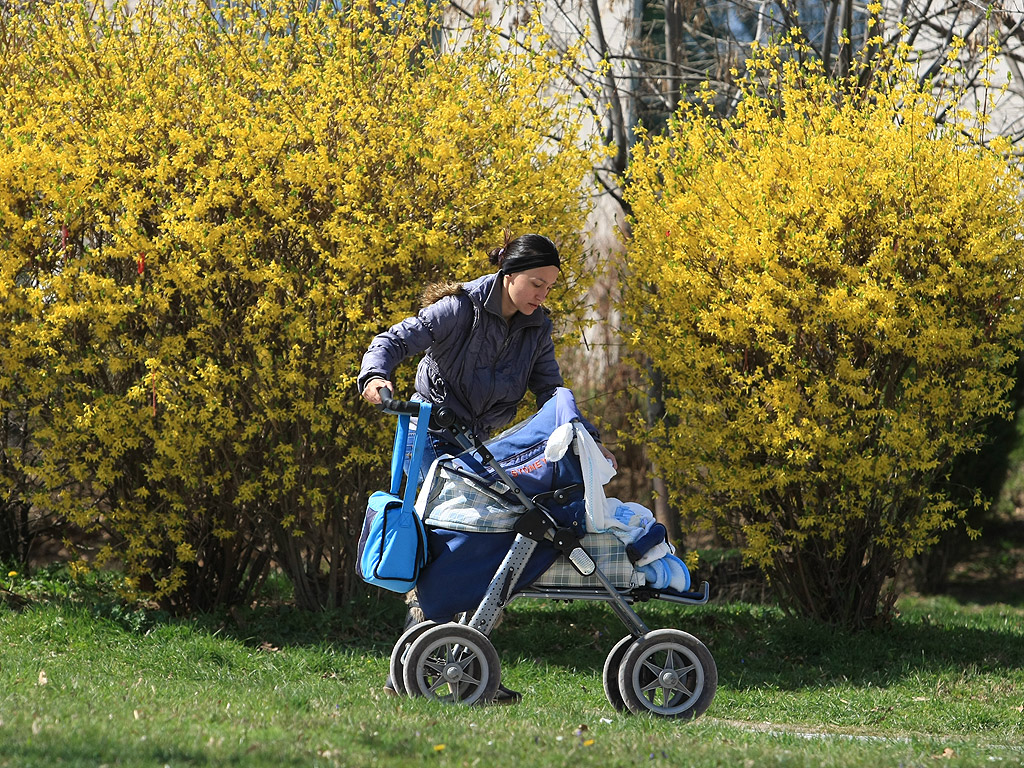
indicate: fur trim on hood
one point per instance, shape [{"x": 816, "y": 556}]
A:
[{"x": 437, "y": 291}]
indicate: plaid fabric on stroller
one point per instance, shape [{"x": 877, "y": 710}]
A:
[{"x": 505, "y": 520}]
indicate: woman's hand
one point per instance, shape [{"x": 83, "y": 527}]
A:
[
  {"x": 609, "y": 455},
  {"x": 371, "y": 393}
]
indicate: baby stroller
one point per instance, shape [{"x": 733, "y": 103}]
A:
[{"x": 506, "y": 521}]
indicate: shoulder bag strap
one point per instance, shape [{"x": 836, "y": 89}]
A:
[{"x": 418, "y": 448}]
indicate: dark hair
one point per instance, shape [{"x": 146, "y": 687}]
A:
[{"x": 525, "y": 252}]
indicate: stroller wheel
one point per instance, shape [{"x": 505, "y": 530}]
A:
[
  {"x": 611, "y": 673},
  {"x": 668, "y": 673},
  {"x": 400, "y": 652},
  {"x": 452, "y": 663}
]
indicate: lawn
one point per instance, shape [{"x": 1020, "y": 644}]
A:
[{"x": 85, "y": 681}]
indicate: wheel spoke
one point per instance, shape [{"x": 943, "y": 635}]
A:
[
  {"x": 455, "y": 693},
  {"x": 435, "y": 665},
  {"x": 654, "y": 683},
  {"x": 437, "y": 685},
  {"x": 682, "y": 687},
  {"x": 654, "y": 669},
  {"x": 673, "y": 663},
  {"x": 465, "y": 662}
]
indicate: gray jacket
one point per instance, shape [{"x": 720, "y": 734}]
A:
[{"x": 476, "y": 363}]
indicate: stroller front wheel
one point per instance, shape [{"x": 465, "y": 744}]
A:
[
  {"x": 452, "y": 663},
  {"x": 610, "y": 674},
  {"x": 668, "y": 673}
]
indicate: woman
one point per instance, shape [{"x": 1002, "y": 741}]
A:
[{"x": 486, "y": 343}]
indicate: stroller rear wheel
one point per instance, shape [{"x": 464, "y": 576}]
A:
[
  {"x": 400, "y": 652},
  {"x": 668, "y": 673},
  {"x": 452, "y": 663}
]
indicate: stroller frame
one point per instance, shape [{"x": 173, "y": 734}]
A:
[{"x": 665, "y": 672}]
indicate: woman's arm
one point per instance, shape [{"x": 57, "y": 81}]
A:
[
  {"x": 388, "y": 349},
  {"x": 545, "y": 375},
  {"x": 410, "y": 337}
]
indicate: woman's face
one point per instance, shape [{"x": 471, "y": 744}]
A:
[{"x": 527, "y": 290}]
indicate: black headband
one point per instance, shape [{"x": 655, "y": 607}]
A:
[{"x": 532, "y": 260}]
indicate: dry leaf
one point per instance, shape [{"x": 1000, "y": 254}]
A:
[{"x": 42, "y": 677}]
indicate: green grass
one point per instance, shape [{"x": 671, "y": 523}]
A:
[{"x": 87, "y": 682}]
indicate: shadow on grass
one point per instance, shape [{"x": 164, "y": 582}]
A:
[
  {"x": 758, "y": 646},
  {"x": 97, "y": 748},
  {"x": 370, "y": 623},
  {"x": 989, "y": 591}
]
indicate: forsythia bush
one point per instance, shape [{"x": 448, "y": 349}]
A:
[
  {"x": 830, "y": 283},
  {"x": 205, "y": 214}
]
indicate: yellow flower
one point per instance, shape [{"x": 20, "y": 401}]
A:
[{"x": 12, "y": 574}]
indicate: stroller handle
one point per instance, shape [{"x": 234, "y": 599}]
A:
[
  {"x": 441, "y": 418},
  {"x": 398, "y": 407}
]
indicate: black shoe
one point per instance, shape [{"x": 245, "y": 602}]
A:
[{"x": 506, "y": 696}]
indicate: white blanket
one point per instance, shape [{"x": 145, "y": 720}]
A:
[{"x": 597, "y": 469}]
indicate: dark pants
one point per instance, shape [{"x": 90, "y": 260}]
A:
[{"x": 438, "y": 444}]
